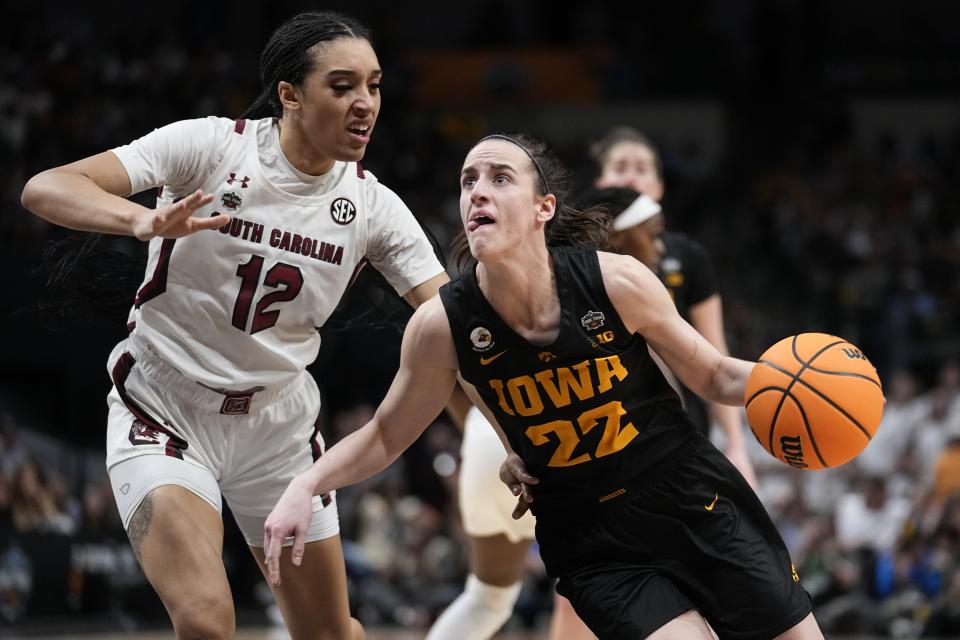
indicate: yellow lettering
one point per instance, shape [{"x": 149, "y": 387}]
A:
[
  {"x": 531, "y": 405},
  {"x": 560, "y": 393},
  {"x": 614, "y": 438},
  {"x": 608, "y": 368},
  {"x": 501, "y": 399},
  {"x": 568, "y": 442}
]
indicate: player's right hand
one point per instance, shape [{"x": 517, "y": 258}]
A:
[
  {"x": 176, "y": 220},
  {"x": 289, "y": 518},
  {"x": 513, "y": 473}
]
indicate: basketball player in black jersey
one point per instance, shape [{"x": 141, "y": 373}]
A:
[
  {"x": 626, "y": 157},
  {"x": 643, "y": 521}
]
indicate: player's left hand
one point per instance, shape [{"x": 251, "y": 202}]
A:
[
  {"x": 290, "y": 517},
  {"x": 513, "y": 473}
]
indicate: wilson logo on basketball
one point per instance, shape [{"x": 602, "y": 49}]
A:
[
  {"x": 792, "y": 451},
  {"x": 343, "y": 211},
  {"x": 854, "y": 354}
]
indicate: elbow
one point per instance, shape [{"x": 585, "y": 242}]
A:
[
  {"x": 34, "y": 192},
  {"x": 31, "y": 196}
]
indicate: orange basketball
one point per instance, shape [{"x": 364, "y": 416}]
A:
[{"x": 814, "y": 401}]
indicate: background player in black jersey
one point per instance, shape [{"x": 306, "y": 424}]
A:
[
  {"x": 627, "y": 158},
  {"x": 643, "y": 521}
]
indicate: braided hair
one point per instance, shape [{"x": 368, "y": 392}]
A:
[{"x": 287, "y": 57}]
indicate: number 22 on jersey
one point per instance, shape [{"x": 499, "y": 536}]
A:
[{"x": 614, "y": 436}]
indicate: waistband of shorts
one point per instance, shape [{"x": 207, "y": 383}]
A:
[
  {"x": 159, "y": 372},
  {"x": 604, "y": 496}
]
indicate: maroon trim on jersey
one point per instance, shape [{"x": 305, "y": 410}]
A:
[
  {"x": 158, "y": 282},
  {"x": 360, "y": 171},
  {"x": 356, "y": 271},
  {"x": 131, "y": 326},
  {"x": 149, "y": 425},
  {"x": 316, "y": 451},
  {"x": 239, "y": 125},
  {"x": 159, "y": 191}
]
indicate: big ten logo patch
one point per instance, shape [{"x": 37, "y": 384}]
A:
[{"x": 604, "y": 338}]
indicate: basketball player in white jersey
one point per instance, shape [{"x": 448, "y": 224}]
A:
[{"x": 259, "y": 228}]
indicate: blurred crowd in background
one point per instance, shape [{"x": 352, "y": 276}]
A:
[{"x": 819, "y": 172}]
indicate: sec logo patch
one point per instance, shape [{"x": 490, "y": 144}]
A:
[{"x": 343, "y": 211}]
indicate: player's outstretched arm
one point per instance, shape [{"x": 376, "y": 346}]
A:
[
  {"x": 419, "y": 391},
  {"x": 646, "y": 308},
  {"x": 88, "y": 195}
]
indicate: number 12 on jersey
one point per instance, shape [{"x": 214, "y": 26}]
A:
[{"x": 281, "y": 274}]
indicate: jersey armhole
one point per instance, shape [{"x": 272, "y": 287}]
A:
[
  {"x": 450, "y": 311},
  {"x": 598, "y": 284}
]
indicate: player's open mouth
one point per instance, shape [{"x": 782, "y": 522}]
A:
[
  {"x": 360, "y": 133},
  {"x": 479, "y": 220}
]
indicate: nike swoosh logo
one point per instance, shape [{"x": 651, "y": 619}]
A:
[
  {"x": 486, "y": 361},
  {"x": 709, "y": 507}
]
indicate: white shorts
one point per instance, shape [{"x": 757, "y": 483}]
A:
[
  {"x": 486, "y": 504},
  {"x": 165, "y": 429}
]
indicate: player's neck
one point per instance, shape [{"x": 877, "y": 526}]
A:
[
  {"x": 304, "y": 158},
  {"x": 522, "y": 290}
]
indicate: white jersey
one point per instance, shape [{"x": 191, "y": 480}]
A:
[{"x": 239, "y": 307}]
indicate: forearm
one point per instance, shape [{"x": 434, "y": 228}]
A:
[
  {"x": 729, "y": 381},
  {"x": 363, "y": 453},
  {"x": 74, "y": 201}
]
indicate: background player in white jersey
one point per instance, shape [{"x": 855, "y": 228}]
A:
[{"x": 258, "y": 230}]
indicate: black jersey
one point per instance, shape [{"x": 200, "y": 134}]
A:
[
  {"x": 686, "y": 272},
  {"x": 589, "y": 413}
]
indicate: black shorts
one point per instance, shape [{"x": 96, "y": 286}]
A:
[{"x": 694, "y": 537}]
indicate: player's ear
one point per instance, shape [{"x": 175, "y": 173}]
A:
[
  {"x": 546, "y": 208},
  {"x": 289, "y": 96}
]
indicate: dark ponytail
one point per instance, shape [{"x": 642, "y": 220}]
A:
[
  {"x": 287, "y": 56},
  {"x": 569, "y": 227}
]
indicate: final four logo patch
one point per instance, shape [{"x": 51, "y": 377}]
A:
[
  {"x": 231, "y": 201},
  {"x": 343, "y": 211},
  {"x": 593, "y": 320}
]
